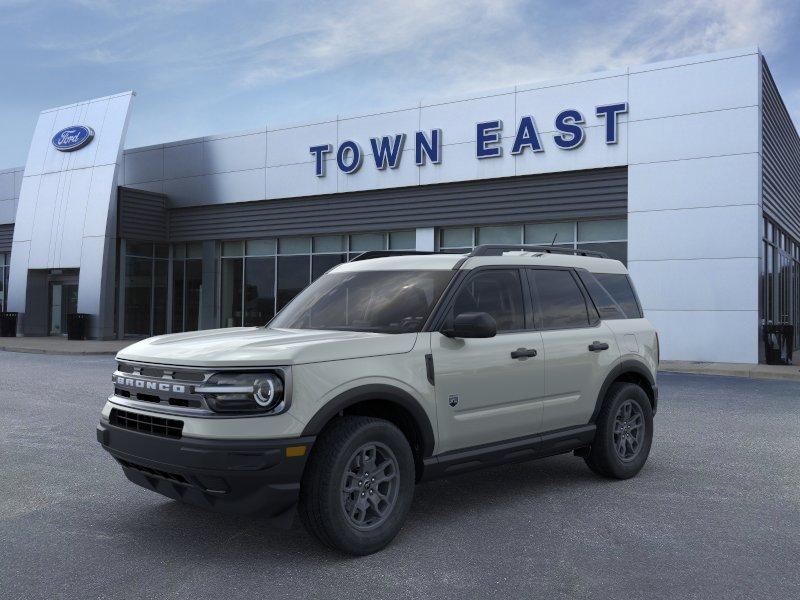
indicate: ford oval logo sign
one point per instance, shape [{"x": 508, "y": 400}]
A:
[{"x": 72, "y": 138}]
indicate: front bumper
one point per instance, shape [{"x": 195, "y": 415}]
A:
[{"x": 232, "y": 476}]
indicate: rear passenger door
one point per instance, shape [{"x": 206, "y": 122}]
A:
[{"x": 579, "y": 349}]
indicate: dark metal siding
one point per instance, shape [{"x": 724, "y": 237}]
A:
[
  {"x": 780, "y": 159},
  {"x": 6, "y": 237},
  {"x": 598, "y": 193},
  {"x": 142, "y": 215}
]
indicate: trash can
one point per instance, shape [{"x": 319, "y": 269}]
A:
[
  {"x": 8, "y": 324},
  {"x": 778, "y": 344},
  {"x": 77, "y": 323}
]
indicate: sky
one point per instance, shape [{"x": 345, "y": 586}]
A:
[{"x": 203, "y": 67}]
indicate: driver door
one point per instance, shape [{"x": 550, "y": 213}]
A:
[{"x": 483, "y": 394}]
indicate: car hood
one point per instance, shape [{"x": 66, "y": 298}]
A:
[{"x": 258, "y": 346}]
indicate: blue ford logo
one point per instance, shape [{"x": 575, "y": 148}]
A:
[{"x": 72, "y": 138}]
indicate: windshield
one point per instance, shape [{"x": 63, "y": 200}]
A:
[{"x": 379, "y": 301}]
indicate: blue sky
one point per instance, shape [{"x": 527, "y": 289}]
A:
[{"x": 201, "y": 67}]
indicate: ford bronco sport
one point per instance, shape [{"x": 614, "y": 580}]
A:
[{"x": 386, "y": 371}]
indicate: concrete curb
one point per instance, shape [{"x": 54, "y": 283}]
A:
[
  {"x": 747, "y": 371},
  {"x": 59, "y": 352}
]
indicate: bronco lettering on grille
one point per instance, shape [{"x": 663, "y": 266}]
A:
[{"x": 143, "y": 384}]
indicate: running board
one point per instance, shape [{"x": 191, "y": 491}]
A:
[{"x": 510, "y": 451}]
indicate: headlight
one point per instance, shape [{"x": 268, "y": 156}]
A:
[{"x": 244, "y": 392}]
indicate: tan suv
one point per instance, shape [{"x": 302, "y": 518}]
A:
[{"x": 386, "y": 371}]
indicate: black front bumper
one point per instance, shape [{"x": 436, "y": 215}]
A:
[{"x": 233, "y": 476}]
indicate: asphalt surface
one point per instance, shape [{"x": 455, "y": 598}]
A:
[{"x": 714, "y": 514}]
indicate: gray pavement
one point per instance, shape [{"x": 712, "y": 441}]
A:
[{"x": 714, "y": 514}]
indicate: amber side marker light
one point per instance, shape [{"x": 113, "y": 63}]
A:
[{"x": 292, "y": 451}]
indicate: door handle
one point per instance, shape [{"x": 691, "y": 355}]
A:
[
  {"x": 523, "y": 353},
  {"x": 598, "y": 346}
]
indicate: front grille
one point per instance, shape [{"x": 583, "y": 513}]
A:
[
  {"x": 170, "y": 428},
  {"x": 150, "y": 471}
]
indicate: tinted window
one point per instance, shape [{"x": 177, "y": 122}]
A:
[
  {"x": 497, "y": 292},
  {"x": 560, "y": 301},
  {"x": 379, "y": 301},
  {"x": 606, "y": 305},
  {"x": 619, "y": 286}
]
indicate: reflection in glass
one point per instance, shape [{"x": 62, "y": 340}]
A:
[{"x": 259, "y": 291}]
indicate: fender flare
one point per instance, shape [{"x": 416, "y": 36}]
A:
[
  {"x": 375, "y": 392},
  {"x": 626, "y": 366}
]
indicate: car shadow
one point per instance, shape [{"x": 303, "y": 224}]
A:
[{"x": 438, "y": 505}]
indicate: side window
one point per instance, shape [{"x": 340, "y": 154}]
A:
[
  {"x": 619, "y": 287},
  {"x": 606, "y": 305},
  {"x": 560, "y": 301},
  {"x": 497, "y": 292}
]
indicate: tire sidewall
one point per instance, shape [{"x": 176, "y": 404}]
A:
[
  {"x": 617, "y": 467},
  {"x": 348, "y": 537}
]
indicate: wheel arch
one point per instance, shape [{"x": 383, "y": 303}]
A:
[
  {"x": 383, "y": 401},
  {"x": 631, "y": 371}
]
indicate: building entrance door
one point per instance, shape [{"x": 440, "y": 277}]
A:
[{"x": 63, "y": 300}]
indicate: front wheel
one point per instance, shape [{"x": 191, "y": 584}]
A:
[
  {"x": 358, "y": 485},
  {"x": 624, "y": 433}
]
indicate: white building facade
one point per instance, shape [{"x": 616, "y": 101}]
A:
[{"x": 689, "y": 171}]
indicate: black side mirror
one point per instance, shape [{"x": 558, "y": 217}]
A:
[{"x": 472, "y": 325}]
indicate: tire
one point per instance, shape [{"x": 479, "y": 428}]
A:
[
  {"x": 339, "y": 504},
  {"x": 622, "y": 457}
]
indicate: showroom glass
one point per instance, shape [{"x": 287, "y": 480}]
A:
[
  {"x": 497, "y": 292},
  {"x": 559, "y": 299},
  {"x": 780, "y": 280},
  {"x": 187, "y": 286},
  {"x": 146, "y": 283},
  {"x": 377, "y": 301},
  {"x": 4, "y": 268},
  {"x": 260, "y": 277},
  {"x": 605, "y": 235}
]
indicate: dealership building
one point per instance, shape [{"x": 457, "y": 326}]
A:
[{"x": 687, "y": 170}]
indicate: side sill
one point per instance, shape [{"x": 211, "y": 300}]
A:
[{"x": 517, "y": 450}]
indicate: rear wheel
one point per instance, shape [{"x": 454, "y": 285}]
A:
[
  {"x": 624, "y": 433},
  {"x": 358, "y": 485}
]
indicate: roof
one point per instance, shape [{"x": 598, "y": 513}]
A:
[{"x": 446, "y": 262}]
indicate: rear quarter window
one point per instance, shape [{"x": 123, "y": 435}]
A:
[{"x": 620, "y": 289}]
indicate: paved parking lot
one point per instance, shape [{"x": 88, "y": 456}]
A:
[{"x": 714, "y": 514}]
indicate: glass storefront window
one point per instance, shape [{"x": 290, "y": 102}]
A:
[
  {"x": 259, "y": 291},
  {"x": 330, "y": 243},
  {"x": 232, "y": 248},
  {"x": 5, "y": 260},
  {"x": 602, "y": 231},
  {"x": 299, "y": 245},
  {"x": 187, "y": 281},
  {"x": 138, "y": 295},
  {"x": 457, "y": 237},
  {"x": 608, "y": 236},
  {"x": 231, "y": 288},
  {"x": 261, "y": 247},
  {"x": 506, "y": 234},
  {"x": 550, "y": 233},
  {"x": 146, "y": 288},
  {"x": 403, "y": 240},
  {"x": 364, "y": 242}
]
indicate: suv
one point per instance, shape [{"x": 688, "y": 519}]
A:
[{"x": 386, "y": 371}]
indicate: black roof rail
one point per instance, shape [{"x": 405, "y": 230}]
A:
[
  {"x": 498, "y": 249},
  {"x": 385, "y": 253}
]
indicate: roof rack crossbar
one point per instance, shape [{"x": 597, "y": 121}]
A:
[
  {"x": 498, "y": 249},
  {"x": 384, "y": 253}
]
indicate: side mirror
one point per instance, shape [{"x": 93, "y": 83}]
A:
[{"x": 472, "y": 325}]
